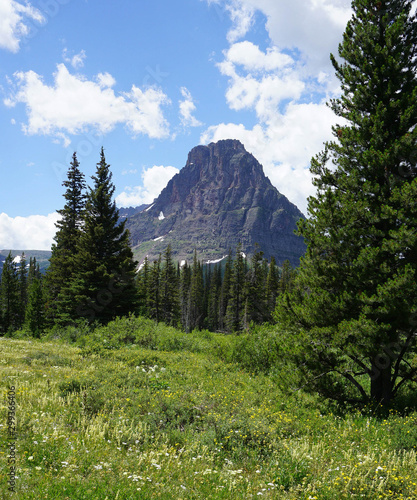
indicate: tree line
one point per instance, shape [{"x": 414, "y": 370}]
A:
[
  {"x": 222, "y": 297},
  {"x": 21, "y": 295},
  {"x": 92, "y": 275}
]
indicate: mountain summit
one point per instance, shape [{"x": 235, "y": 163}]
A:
[{"x": 220, "y": 198}]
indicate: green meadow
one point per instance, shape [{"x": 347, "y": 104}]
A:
[{"x": 137, "y": 410}]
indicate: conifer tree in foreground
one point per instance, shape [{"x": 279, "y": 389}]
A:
[
  {"x": 61, "y": 306},
  {"x": 104, "y": 280},
  {"x": 357, "y": 285}
]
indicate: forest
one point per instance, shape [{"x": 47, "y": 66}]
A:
[
  {"x": 225, "y": 297},
  {"x": 245, "y": 379},
  {"x": 348, "y": 311}
]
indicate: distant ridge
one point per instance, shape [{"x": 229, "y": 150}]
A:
[{"x": 42, "y": 257}]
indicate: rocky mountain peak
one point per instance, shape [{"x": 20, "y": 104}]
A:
[{"x": 220, "y": 198}]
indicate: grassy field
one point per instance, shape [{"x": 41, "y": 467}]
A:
[{"x": 139, "y": 411}]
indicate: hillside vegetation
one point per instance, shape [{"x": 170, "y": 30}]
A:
[{"x": 140, "y": 410}]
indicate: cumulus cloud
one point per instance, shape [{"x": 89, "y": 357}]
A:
[
  {"x": 14, "y": 17},
  {"x": 154, "y": 179},
  {"x": 35, "y": 232},
  {"x": 286, "y": 86},
  {"x": 312, "y": 27},
  {"x": 74, "y": 104},
  {"x": 259, "y": 80},
  {"x": 284, "y": 146},
  {"x": 187, "y": 108},
  {"x": 77, "y": 60}
]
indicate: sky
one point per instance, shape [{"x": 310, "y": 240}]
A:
[{"x": 149, "y": 80}]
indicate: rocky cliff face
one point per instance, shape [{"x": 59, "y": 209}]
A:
[{"x": 220, "y": 198}]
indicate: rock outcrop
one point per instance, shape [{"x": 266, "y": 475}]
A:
[{"x": 220, "y": 198}]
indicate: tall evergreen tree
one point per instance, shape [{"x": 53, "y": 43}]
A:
[
  {"x": 357, "y": 285},
  {"x": 195, "y": 316},
  {"x": 142, "y": 282},
  {"x": 10, "y": 296},
  {"x": 185, "y": 286},
  {"x": 63, "y": 261},
  {"x": 286, "y": 279},
  {"x": 225, "y": 291},
  {"x": 236, "y": 304},
  {"x": 35, "y": 311},
  {"x": 272, "y": 286},
  {"x": 255, "y": 302},
  {"x": 170, "y": 308},
  {"x": 104, "y": 282},
  {"x": 23, "y": 290},
  {"x": 154, "y": 291},
  {"x": 213, "y": 299}
]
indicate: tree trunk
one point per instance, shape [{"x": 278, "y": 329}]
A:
[{"x": 381, "y": 383}]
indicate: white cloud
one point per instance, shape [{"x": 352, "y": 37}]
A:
[
  {"x": 286, "y": 86},
  {"x": 14, "y": 17},
  {"x": 259, "y": 80},
  {"x": 129, "y": 172},
  {"x": 284, "y": 146},
  {"x": 242, "y": 18},
  {"x": 73, "y": 104},
  {"x": 313, "y": 27},
  {"x": 35, "y": 232},
  {"x": 105, "y": 80},
  {"x": 77, "y": 60},
  {"x": 154, "y": 179},
  {"x": 187, "y": 108},
  {"x": 252, "y": 58}
]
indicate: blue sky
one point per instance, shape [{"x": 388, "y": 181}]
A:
[{"x": 149, "y": 80}]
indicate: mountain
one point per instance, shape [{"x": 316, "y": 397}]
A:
[
  {"x": 130, "y": 211},
  {"x": 42, "y": 257},
  {"x": 220, "y": 198}
]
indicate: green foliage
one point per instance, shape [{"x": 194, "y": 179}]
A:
[
  {"x": 355, "y": 296},
  {"x": 259, "y": 350},
  {"x": 63, "y": 261},
  {"x": 178, "y": 424},
  {"x": 104, "y": 280},
  {"x": 35, "y": 310}
]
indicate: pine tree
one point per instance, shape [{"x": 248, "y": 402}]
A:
[
  {"x": 62, "y": 264},
  {"x": 10, "y": 296},
  {"x": 236, "y": 304},
  {"x": 213, "y": 299},
  {"x": 104, "y": 280},
  {"x": 286, "y": 280},
  {"x": 195, "y": 316},
  {"x": 154, "y": 292},
  {"x": 35, "y": 311},
  {"x": 272, "y": 287},
  {"x": 225, "y": 291},
  {"x": 255, "y": 303},
  {"x": 23, "y": 290},
  {"x": 357, "y": 285},
  {"x": 170, "y": 308},
  {"x": 185, "y": 286},
  {"x": 142, "y": 282}
]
